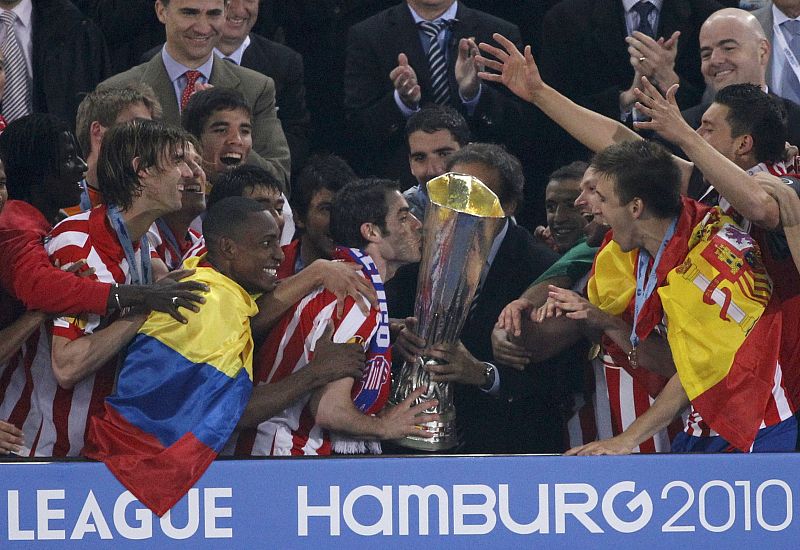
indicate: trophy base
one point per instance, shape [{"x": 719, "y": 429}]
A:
[{"x": 444, "y": 438}]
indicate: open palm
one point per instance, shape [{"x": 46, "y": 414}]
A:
[{"x": 516, "y": 71}]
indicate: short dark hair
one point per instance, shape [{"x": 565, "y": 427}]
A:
[
  {"x": 753, "y": 111},
  {"x": 29, "y": 149},
  {"x": 152, "y": 141},
  {"x": 433, "y": 118},
  {"x": 322, "y": 172},
  {"x": 205, "y": 103},
  {"x": 226, "y": 218},
  {"x": 105, "y": 104},
  {"x": 234, "y": 182},
  {"x": 572, "y": 171},
  {"x": 494, "y": 156},
  {"x": 360, "y": 201},
  {"x": 642, "y": 169}
]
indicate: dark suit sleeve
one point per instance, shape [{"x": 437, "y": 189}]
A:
[
  {"x": 368, "y": 94},
  {"x": 292, "y": 111},
  {"x": 270, "y": 150}
]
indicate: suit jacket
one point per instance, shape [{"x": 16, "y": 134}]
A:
[
  {"x": 285, "y": 67},
  {"x": 524, "y": 417},
  {"x": 584, "y": 54},
  {"x": 269, "y": 144},
  {"x": 764, "y": 16},
  {"x": 69, "y": 58},
  {"x": 694, "y": 115},
  {"x": 372, "y": 49}
]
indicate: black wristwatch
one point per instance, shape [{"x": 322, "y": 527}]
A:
[{"x": 489, "y": 376}]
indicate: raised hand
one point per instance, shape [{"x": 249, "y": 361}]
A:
[
  {"x": 466, "y": 69},
  {"x": 404, "y": 80},
  {"x": 516, "y": 71},
  {"x": 665, "y": 115}
]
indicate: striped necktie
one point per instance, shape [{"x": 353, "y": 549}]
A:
[
  {"x": 17, "y": 94},
  {"x": 440, "y": 86}
]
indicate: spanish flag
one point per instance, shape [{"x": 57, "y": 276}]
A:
[
  {"x": 180, "y": 393},
  {"x": 722, "y": 327}
]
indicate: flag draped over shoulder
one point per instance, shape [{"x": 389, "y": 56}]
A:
[
  {"x": 722, "y": 328},
  {"x": 180, "y": 393}
]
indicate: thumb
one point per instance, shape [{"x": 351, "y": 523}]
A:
[
  {"x": 673, "y": 40},
  {"x": 402, "y": 60},
  {"x": 411, "y": 323}
]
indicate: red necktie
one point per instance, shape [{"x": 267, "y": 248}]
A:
[{"x": 191, "y": 77}]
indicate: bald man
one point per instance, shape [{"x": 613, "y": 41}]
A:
[{"x": 735, "y": 50}]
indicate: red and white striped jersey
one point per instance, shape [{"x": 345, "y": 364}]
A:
[
  {"x": 164, "y": 247},
  {"x": 16, "y": 385},
  {"x": 778, "y": 409},
  {"x": 65, "y": 413},
  {"x": 290, "y": 347},
  {"x": 197, "y": 249}
]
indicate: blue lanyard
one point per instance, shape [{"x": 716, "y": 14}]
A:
[
  {"x": 118, "y": 224},
  {"x": 170, "y": 241},
  {"x": 646, "y": 282}
]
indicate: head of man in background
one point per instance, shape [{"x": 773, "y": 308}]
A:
[
  {"x": 433, "y": 134},
  {"x": 99, "y": 111},
  {"x": 222, "y": 120}
]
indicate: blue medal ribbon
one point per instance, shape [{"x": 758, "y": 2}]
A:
[
  {"x": 145, "y": 276},
  {"x": 170, "y": 241},
  {"x": 646, "y": 282}
]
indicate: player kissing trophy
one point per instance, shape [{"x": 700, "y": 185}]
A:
[{"x": 461, "y": 222}]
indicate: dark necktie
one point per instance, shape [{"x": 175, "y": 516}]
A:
[
  {"x": 17, "y": 96},
  {"x": 644, "y": 9},
  {"x": 440, "y": 86}
]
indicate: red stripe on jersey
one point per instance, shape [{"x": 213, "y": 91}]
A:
[
  {"x": 612, "y": 379},
  {"x": 62, "y": 405},
  {"x": 23, "y": 406},
  {"x": 641, "y": 402}
]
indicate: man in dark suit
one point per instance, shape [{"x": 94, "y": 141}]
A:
[
  {"x": 498, "y": 409},
  {"x": 65, "y": 51},
  {"x": 586, "y": 57},
  {"x": 735, "y": 50},
  {"x": 187, "y": 52},
  {"x": 388, "y": 77},
  {"x": 318, "y": 30}
]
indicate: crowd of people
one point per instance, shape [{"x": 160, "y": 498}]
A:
[{"x": 212, "y": 245}]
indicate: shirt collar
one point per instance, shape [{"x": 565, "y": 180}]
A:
[
  {"x": 24, "y": 11},
  {"x": 175, "y": 70},
  {"x": 628, "y": 4},
  {"x": 447, "y": 15},
  {"x": 236, "y": 55},
  {"x": 778, "y": 17}
]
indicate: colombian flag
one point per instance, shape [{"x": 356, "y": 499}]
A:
[
  {"x": 180, "y": 393},
  {"x": 722, "y": 328}
]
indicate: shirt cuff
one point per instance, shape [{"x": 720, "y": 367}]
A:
[
  {"x": 405, "y": 109},
  {"x": 472, "y": 103},
  {"x": 495, "y": 389}
]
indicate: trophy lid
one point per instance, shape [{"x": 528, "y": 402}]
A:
[{"x": 466, "y": 194}]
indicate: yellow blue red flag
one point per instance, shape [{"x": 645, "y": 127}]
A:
[{"x": 180, "y": 393}]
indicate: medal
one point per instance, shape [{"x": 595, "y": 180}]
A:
[{"x": 633, "y": 358}]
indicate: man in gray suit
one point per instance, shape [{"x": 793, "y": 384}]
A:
[
  {"x": 186, "y": 64},
  {"x": 779, "y": 20}
]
